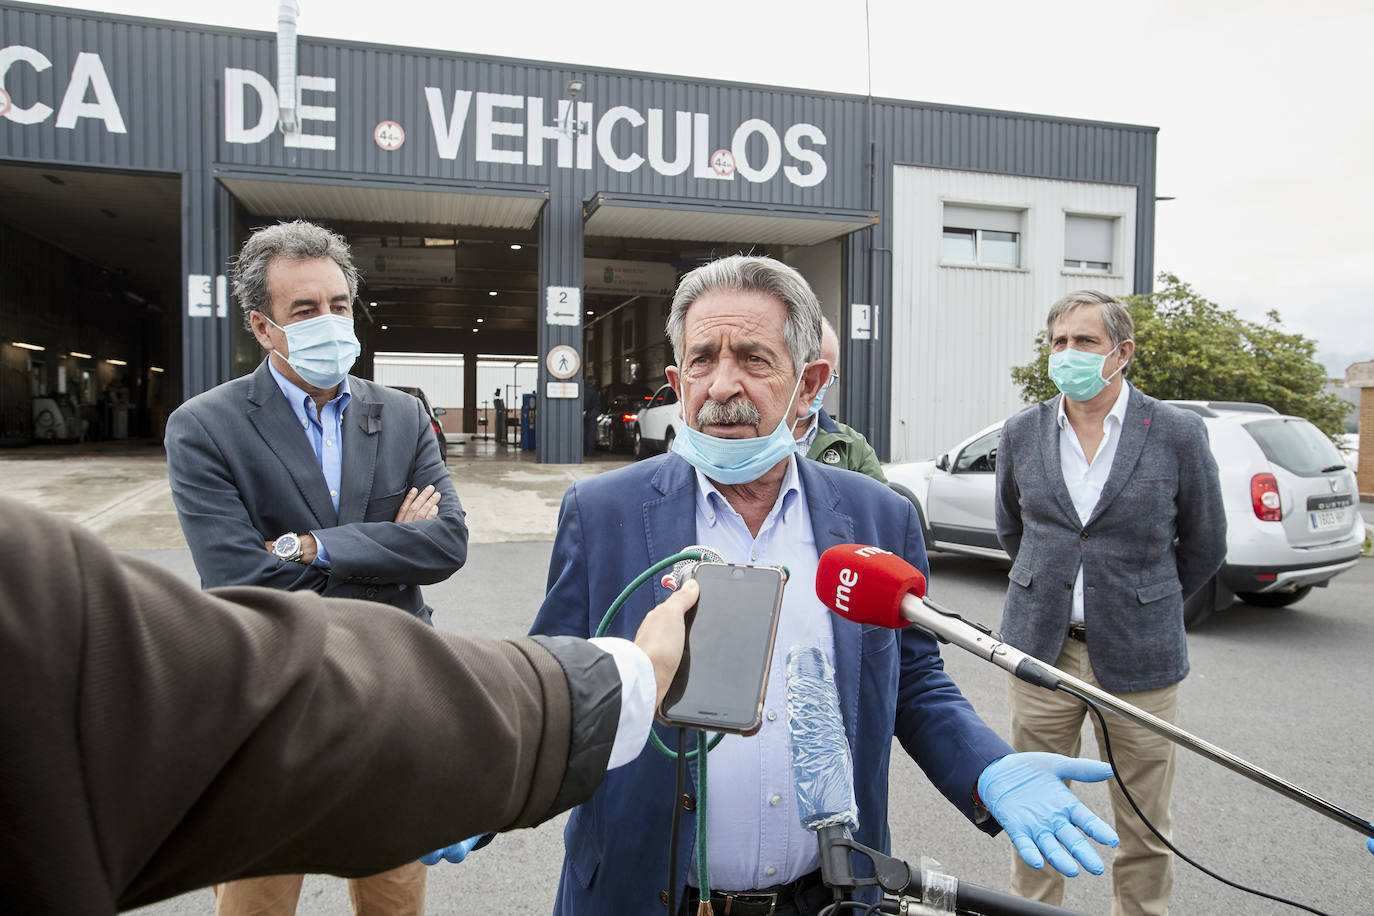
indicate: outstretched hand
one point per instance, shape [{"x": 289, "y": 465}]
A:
[{"x": 1043, "y": 819}]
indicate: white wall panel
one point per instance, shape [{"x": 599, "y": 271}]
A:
[{"x": 958, "y": 331}]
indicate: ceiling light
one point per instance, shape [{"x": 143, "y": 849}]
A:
[
  {"x": 474, "y": 330},
  {"x": 492, "y": 293},
  {"x": 515, "y": 248},
  {"x": 384, "y": 327},
  {"x": 590, "y": 312},
  {"x": 116, "y": 362},
  {"x": 81, "y": 355},
  {"x": 480, "y": 320},
  {"x": 373, "y": 304},
  {"x": 28, "y": 346},
  {"x": 154, "y": 368}
]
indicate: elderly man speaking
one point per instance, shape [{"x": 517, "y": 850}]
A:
[{"x": 746, "y": 335}]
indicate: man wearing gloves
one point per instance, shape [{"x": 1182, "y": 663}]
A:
[
  {"x": 1109, "y": 505},
  {"x": 746, "y": 336}
]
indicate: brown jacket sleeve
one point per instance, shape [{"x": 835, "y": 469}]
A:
[{"x": 160, "y": 738}]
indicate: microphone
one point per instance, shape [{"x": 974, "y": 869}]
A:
[
  {"x": 822, "y": 771},
  {"x": 674, "y": 578},
  {"x": 874, "y": 586}
]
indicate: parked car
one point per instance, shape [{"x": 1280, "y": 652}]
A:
[
  {"x": 434, "y": 413},
  {"x": 658, "y": 423},
  {"x": 1292, "y": 519},
  {"x": 615, "y": 423}
]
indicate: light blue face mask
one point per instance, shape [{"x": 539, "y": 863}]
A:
[
  {"x": 815, "y": 407},
  {"x": 732, "y": 461},
  {"x": 322, "y": 349},
  {"x": 1079, "y": 374}
]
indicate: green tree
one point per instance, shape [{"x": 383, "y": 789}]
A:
[{"x": 1191, "y": 349}]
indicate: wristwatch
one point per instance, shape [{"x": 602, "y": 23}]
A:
[{"x": 287, "y": 547}]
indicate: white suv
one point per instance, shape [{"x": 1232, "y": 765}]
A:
[
  {"x": 658, "y": 423},
  {"x": 1292, "y": 519}
]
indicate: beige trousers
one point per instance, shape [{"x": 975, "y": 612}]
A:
[
  {"x": 398, "y": 892},
  {"x": 1043, "y": 720}
]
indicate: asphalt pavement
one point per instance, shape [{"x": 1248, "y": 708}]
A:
[{"x": 1285, "y": 689}]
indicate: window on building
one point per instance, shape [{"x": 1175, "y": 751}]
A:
[
  {"x": 984, "y": 236},
  {"x": 1089, "y": 242}
]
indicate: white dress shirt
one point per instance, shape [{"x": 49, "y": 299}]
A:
[{"x": 1085, "y": 479}]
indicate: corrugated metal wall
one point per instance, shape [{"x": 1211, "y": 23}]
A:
[
  {"x": 190, "y": 102},
  {"x": 965, "y": 327}
]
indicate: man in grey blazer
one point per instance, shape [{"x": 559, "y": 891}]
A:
[
  {"x": 300, "y": 476},
  {"x": 1109, "y": 505}
]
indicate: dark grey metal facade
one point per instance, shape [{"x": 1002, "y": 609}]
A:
[{"x": 189, "y": 100}]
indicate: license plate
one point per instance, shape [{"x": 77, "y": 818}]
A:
[{"x": 1326, "y": 518}]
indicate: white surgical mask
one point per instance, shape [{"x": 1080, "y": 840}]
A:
[{"x": 322, "y": 349}]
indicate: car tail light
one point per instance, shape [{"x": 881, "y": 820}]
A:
[
  {"x": 629, "y": 417},
  {"x": 1264, "y": 496}
]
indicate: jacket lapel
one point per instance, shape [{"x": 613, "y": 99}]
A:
[
  {"x": 1051, "y": 466},
  {"x": 1135, "y": 428},
  {"x": 670, "y": 519},
  {"x": 362, "y": 425},
  {"x": 831, "y": 526},
  {"x": 276, "y": 422}
]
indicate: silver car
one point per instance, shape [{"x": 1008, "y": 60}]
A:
[{"x": 1292, "y": 514}]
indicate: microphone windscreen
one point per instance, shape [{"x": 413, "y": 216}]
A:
[
  {"x": 867, "y": 584},
  {"x": 673, "y": 579},
  {"x": 822, "y": 772}
]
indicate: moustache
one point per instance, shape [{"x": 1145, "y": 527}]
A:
[{"x": 739, "y": 411}]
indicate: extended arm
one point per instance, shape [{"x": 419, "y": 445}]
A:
[{"x": 172, "y": 737}]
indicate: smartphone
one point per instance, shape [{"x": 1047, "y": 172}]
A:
[{"x": 720, "y": 683}]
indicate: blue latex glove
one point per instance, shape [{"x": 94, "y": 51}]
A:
[
  {"x": 1026, "y": 794},
  {"x": 1370, "y": 844},
  {"x": 455, "y": 853}
]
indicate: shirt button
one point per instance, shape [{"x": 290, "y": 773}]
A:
[
  {"x": 333, "y": 492},
  {"x": 329, "y": 442},
  {"x": 1085, "y": 535},
  {"x": 775, "y": 800},
  {"x": 754, "y": 555},
  {"x": 772, "y": 714},
  {"x": 771, "y": 871}
]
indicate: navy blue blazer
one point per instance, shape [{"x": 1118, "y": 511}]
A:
[
  {"x": 613, "y": 527},
  {"x": 243, "y": 472}
]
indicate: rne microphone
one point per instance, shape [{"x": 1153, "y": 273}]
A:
[
  {"x": 874, "y": 586},
  {"x": 870, "y": 585},
  {"x": 673, "y": 578}
]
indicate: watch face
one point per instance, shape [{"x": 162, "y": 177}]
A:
[{"x": 287, "y": 545}]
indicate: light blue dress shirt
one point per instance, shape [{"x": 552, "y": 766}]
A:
[
  {"x": 324, "y": 429},
  {"x": 754, "y": 834}
]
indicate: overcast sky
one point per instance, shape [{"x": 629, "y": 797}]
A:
[{"x": 1264, "y": 107}]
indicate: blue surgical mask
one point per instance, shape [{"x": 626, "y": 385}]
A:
[
  {"x": 732, "y": 461},
  {"x": 1079, "y": 374},
  {"x": 322, "y": 349},
  {"x": 815, "y": 407}
]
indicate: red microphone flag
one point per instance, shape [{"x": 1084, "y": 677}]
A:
[{"x": 866, "y": 584}]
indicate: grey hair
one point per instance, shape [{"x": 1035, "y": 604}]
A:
[
  {"x": 802, "y": 332},
  {"x": 1115, "y": 318},
  {"x": 296, "y": 241}
]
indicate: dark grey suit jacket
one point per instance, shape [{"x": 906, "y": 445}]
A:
[
  {"x": 160, "y": 738},
  {"x": 1157, "y": 534},
  {"x": 243, "y": 472}
]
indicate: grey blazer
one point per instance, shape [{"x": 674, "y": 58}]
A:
[
  {"x": 1157, "y": 534},
  {"x": 243, "y": 472}
]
